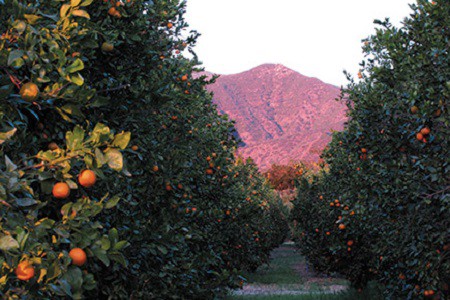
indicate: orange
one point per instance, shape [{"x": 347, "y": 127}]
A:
[
  {"x": 61, "y": 190},
  {"x": 209, "y": 171},
  {"x": 29, "y": 92},
  {"x": 114, "y": 12},
  {"x": 134, "y": 147},
  {"x": 419, "y": 136},
  {"x": 363, "y": 150},
  {"x": 184, "y": 78},
  {"x": 24, "y": 271},
  {"x": 155, "y": 168},
  {"x": 341, "y": 226},
  {"x": 87, "y": 178},
  {"x": 425, "y": 131},
  {"x": 78, "y": 256},
  {"x": 414, "y": 109},
  {"x": 107, "y": 47},
  {"x": 350, "y": 243},
  {"x": 169, "y": 25},
  {"x": 52, "y": 146}
]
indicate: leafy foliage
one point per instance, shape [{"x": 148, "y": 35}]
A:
[
  {"x": 183, "y": 199},
  {"x": 391, "y": 183}
]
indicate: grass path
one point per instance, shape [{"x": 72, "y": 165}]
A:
[{"x": 288, "y": 277}]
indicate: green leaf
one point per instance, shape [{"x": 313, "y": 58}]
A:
[
  {"x": 106, "y": 243},
  {"x": 32, "y": 19},
  {"x": 74, "y": 3},
  {"x": 113, "y": 236},
  {"x": 118, "y": 257},
  {"x": 121, "y": 140},
  {"x": 76, "y": 66},
  {"x": 63, "y": 11},
  {"x": 10, "y": 166},
  {"x": 74, "y": 139},
  {"x": 74, "y": 277},
  {"x": 121, "y": 245},
  {"x": 115, "y": 159},
  {"x": 7, "y": 243},
  {"x": 101, "y": 254},
  {"x": 112, "y": 202},
  {"x": 7, "y": 135},
  {"x": 81, "y": 13},
  {"x": 77, "y": 79},
  {"x": 25, "y": 202},
  {"x": 100, "y": 159},
  {"x": 72, "y": 109},
  {"x": 14, "y": 56},
  {"x": 99, "y": 102},
  {"x": 86, "y": 2}
]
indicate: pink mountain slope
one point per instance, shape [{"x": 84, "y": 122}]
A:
[{"x": 281, "y": 115}]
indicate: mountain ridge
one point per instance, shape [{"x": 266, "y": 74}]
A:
[{"x": 281, "y": 115}]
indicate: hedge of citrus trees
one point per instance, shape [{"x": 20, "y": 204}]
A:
[
  {"x": 382, "y": 201},
  {"x": 118, "y": 177}
]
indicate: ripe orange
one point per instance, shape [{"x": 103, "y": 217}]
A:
[
  {"x": 134, "y": 147},
  {"x": 52, "y": 146},
  {"x": 419, "y": 136},
  {"x": 341, "y": 226},
  {"x": 107, "y": 47},
  {"x": 425, "y": 131},
  {"x": 78, "y": 256},
  {"x": 114, "y": 12},
  {"x": 363, "y": 150},
  {"x": 61, "y": 190},
  {"x": 414, "y": 109},
  {"x": 87, "y": 178},
  {"x": 184, "y": 78},
  {"x": 29, "y": 92},
  {"x": 209, "y": 171},
  {"x": 350, "y": 243},
  {"x": 155, "y": 168},
  {"x": 24, "y": 271},
  {"x": 169, "y": 25}
]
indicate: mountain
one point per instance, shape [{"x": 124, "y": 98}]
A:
[{"x": 280, "y": 114}]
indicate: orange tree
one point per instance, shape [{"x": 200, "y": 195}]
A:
[
  {"x": 389, "y": 169},
  {"x": 120, "y": 62},
  {"x": 52, "y": 244},
  {"x": 182, "y": 176}
]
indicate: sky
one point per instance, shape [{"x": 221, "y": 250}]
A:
[{"x": 318, "y": 38}]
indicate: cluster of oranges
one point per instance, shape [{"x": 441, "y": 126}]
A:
[
  {"x": 61, "y": 190},
  {"x": 422, "y": 134},
  {"x": 86, "y": 178}
]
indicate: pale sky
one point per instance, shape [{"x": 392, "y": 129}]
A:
[{"x": 318, "y": 38}]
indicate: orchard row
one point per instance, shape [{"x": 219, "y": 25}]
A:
[{"x": 118, "y": 177}]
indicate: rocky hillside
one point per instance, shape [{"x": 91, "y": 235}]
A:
[{"x": 280, "y": 114}]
